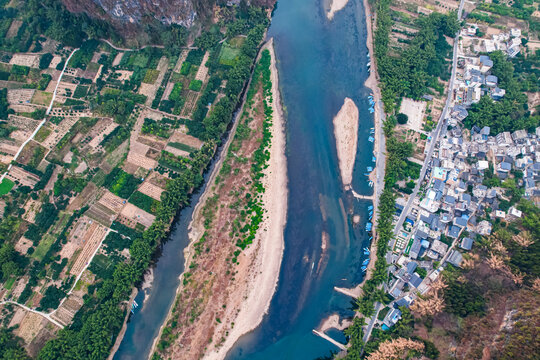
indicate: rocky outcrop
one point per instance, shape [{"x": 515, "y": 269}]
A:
[{"x": 180, "y": 12}]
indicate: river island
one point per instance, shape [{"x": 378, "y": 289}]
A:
[{"x": 233, "y": 261}]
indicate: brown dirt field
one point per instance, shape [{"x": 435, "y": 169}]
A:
[
  {"x": 27, "y": 152},
  {"x": 213, "y": 279},
  {"x": 151, "y": 190},
  {"x": 189, "y": 140},
  {"x": 24, "y": 177},
  {"x": 30, "y": 326},
  {"x": 473, "y": 336},
  {"x": 135, "y": 214},
  {"x": 153, "y": 142},
  {"x": 91, "y": 239},
  {"x": 45, "y": 334},
  {"x": 13, "y": 28},
  {"x": 88, "y": 195}
]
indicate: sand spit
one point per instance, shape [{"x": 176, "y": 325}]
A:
[
  {"x": 267, "y": 264},
  {"x": 346, "y": 133},
  {"x": 335, "y": 6},
  {"x": 333, "y": 322}
]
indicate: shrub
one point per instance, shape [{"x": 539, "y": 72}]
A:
[
  {"x": 195, "y": 85},
  {"x": 45, "y": 61}
]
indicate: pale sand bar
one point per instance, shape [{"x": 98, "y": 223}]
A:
[
  {"x": 335, "y": 6},
  {"x": 346, "y": 133}
]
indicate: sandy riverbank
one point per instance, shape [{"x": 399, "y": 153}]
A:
[
  {"x": 270, "y": 235},
  {"x": 335, "y": 6},
  {"x": 346, "y": 133}
]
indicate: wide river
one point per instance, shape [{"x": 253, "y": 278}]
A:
[{"x": 320, "y": 63}]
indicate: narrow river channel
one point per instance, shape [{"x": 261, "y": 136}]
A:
[{"x": 320, "y": 62}]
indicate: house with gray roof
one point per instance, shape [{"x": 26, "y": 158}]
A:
[
  {"x": 466, "y": 243},
  {"x": 455, "y": 258}
]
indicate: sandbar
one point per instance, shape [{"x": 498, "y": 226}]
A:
[{"x": 346, "y": 133}]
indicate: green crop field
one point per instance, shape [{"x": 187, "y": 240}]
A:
[
  {"x": 6, "y": 186},
  {"x": 151, "y": 76},
  {"x": 43, "y": 247},
  {"x": 228, "y": 55}
]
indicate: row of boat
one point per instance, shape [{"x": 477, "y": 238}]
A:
[
  {"x": 371, "y": 104},
  {"x": 369, "y": 227}
]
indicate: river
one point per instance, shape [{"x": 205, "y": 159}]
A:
[{"x": 320, "y": 63}]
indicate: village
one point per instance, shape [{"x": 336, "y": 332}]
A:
[{"x": 474, "y": 179}]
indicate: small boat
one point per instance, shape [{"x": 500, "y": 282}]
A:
[
  {"x": 366, "y": 251},
  {"x": 370, "y": 183},
  {"x": 366, "y": 262},
  {"x": 374, "y": 159},
  {"x": 371, "y": 139},
  {"x": 370, "y": 207},
  {"x": 369, "y": 64},
  {"x": 134, "y": 306},
  {"x": 369, "y": 169},
  {"x": 370, "y": 238},
  {"x": 366, "y": 174},
  {"x": 364, "y": 268}
]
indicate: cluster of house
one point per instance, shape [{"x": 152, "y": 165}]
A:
[
  {"x": 452, "y": 209},
  {"x": 476, "y": 80},
  {"x": 508, "y": 42}
]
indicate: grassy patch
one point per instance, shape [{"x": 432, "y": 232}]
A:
[
  {"x": 42, "y": 134},
  {"x": 6, "y": 186},
  {"x": 144, "y": 202},
  {"x": 140, "y": 60},
  {"x": 43, "y": 247},
  {"x": 9, "y": 282},
  {"x": 41, "y": 98},
  {"x": 182, "y": 147},
  {"x": 228, "y": 55},
  {"x": 121, "y": 183},
  {"x": 195, "y": 85},
  {"x": 93, "y": 67},
  {"x": 80, "y": 91},
  {"x": 151, "y": 76}
]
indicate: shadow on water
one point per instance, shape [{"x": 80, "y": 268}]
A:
[{"x": 320, "y": 63}]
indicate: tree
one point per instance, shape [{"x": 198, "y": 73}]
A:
[{"x": 402, "y": 118}]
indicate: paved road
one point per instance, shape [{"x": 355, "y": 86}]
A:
[
  {"x": 45, "y": 315},
  {"x": 427, "y": 161}
]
